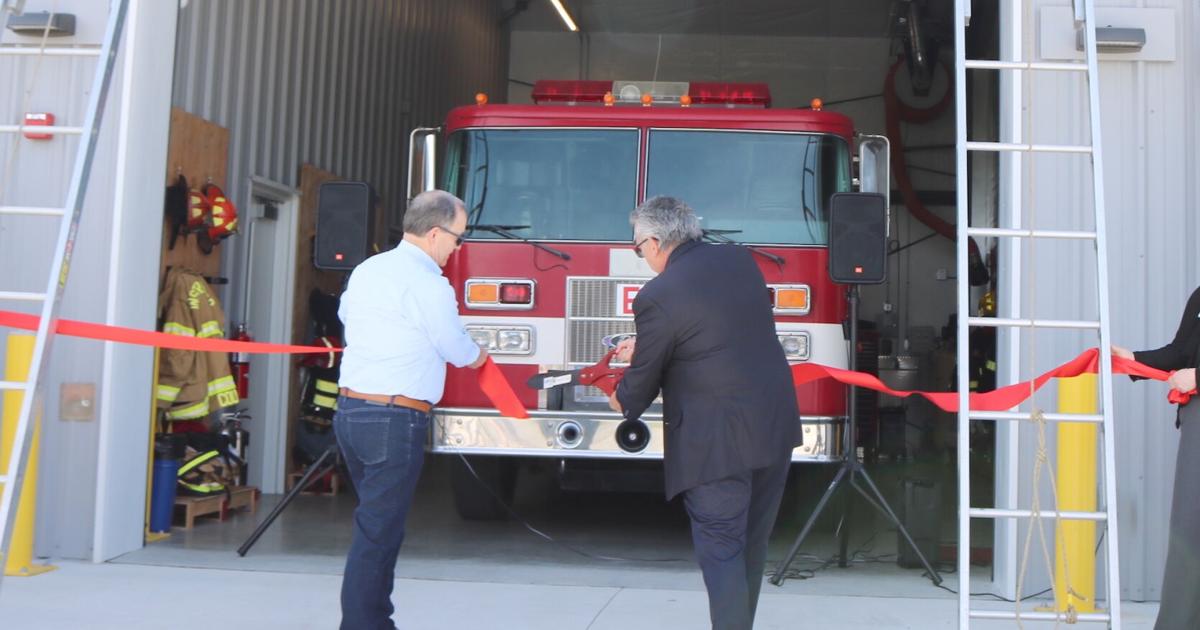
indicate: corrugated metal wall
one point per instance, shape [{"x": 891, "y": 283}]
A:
[
  {"x": 1151, "y": 167},
  {"x": 336, "y": 83}
]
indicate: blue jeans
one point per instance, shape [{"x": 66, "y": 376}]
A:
[{"x": 384, "y": 447}]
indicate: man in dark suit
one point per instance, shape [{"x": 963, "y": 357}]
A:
[{"x": 706, "y": 338}]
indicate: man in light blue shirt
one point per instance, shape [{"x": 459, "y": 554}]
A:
[{"x": 401, "y": 328}]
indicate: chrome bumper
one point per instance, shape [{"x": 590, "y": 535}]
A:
[{"x": 562, "y": 434}]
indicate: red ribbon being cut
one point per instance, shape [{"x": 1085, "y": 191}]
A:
[
  {"x": 500, "y": 392},
  {"x": 1000, "y": 399},
  {"x": 138, "y": 337}
]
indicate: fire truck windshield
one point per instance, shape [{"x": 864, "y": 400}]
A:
[
  {"x": 771, "y": 187},
  {"x": 565, "y": 184}
]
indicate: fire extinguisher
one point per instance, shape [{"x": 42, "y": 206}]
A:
[{"x": 240, "y": 364}]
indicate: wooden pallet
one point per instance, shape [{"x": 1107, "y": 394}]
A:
[
  {"x": 327, "y": 484},
  {"x": 219, "y": 504}
]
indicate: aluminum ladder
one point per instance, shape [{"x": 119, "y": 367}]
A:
[
  {"x": 68, "y": 217},
  {"x": 1084, "y": 17}
]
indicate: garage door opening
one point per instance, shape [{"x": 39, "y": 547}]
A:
[{"x": 328, "y": 93}]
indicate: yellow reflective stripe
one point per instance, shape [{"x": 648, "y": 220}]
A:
[
  {"x": 218, "y": 385},
  {"x": 328, "y": 402},
  {"x": 190, "y": 412},
  {"x": 196, "y": 461},
  {"x": 167, "y": 393},
  {"x": 174, "y": 328},
  {"x": 210, "y": 328},
  {"x": 211, "y": 487},
  {"x": 328, "y": 387}
]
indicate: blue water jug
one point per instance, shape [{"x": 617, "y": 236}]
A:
[{"x": 162, "y": 494}]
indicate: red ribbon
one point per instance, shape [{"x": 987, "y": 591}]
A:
[
  {"x": 1000, "y": 399},
  {"x": 500, "y": 392},
  {"x": 134, "y": 336},
  {"x": 603, "y": 376},
  {"x": 491, "y": 379}
]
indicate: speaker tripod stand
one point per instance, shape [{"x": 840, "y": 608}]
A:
[
  {"x": 327, "y": 462},
  {"x": 850, "y": 470}
]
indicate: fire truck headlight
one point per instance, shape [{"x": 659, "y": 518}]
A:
[
  {"x": 511, "y": 340},
  {"x": 484, "y": 338},
  {"x": 795, "y": 346}
]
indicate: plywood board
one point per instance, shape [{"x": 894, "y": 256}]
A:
[{"x": 199, "y": 150}]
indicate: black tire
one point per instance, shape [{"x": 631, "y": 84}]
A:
[{"x": 475, "y": 499}]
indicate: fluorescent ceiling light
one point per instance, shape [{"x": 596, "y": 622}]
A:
[{"x": 566, "y": 17}]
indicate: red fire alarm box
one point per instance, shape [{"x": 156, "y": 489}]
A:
[{"x": 39, "y": 120}]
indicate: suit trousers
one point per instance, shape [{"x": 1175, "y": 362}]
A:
[
  {"x": 1180, "y": 608},
  {"x": 732, "y": 520}
]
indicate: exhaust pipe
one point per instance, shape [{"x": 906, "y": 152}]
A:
[
  {"x": 633, "y": 436},
  {"x": 569, "y": 434}
]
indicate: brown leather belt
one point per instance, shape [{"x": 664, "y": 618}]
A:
[{"x": 384, "y": 399}]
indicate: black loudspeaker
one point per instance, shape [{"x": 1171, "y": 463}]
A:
[
  {"x": 345, "y": 214},
  {"x": 858, "y": 238}
]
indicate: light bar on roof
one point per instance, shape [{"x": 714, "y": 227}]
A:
[{"x": 661, "y": 93}]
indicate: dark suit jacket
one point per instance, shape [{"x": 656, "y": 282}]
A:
[
  {"x": 706, "y": 337},
  {"x": 1184, "y": 350}
]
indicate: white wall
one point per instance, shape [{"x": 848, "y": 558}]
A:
[
  {"x": 1150, "y": 175},
  {"x": 91, "y": 491}
]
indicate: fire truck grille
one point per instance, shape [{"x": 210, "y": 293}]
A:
[{"x": 592, "y": 314}]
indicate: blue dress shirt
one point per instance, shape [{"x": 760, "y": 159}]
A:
[{"x": 402, "y": 326}]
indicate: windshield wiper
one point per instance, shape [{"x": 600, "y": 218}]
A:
[
  {"x": 719, "y": 236},
  {"x": 506, "y": 232}
]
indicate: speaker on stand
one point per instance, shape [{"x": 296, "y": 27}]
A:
[
  {"x": 857, "y": 256},
  {"x": 345, "y": 216},
  {"x": 858, "y": 238}
]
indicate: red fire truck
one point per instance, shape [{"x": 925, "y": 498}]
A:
[{"x": 547, "y": 275}]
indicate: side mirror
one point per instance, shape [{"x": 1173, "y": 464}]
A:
[
  {"x": 874, "y": 169},
  {"x": 422, "y": 160}
]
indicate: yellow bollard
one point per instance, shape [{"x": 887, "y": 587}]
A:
[
  {"x": 1075, "y": 542},
  {"x": 20, "y": 549}
]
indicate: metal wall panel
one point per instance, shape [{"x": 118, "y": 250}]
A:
[
  {"x": 1151, "y": 188},
  {"x": 336, "y": 83}
]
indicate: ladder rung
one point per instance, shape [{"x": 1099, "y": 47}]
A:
[
  {"x": 58, "y": 130},
  {"x": 13, "y": 385},
  {"x": 988, "y": 64},
  {"x": 1021, "y": 233},
  {"x": 1033, "y": 148},
  {"x": 21, "y": 296},
  {"x": 1032, "y": 615},
  {"x": 1025, "y": 415},
  {"x": 49, "y": 52},
  {"x": 32, "y": 211},
  {"x": 1004, "y": 513},
  {"x": 997, "y": 322}
]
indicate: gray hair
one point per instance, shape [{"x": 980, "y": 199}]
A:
[
  {"x": 667, "y": 219},
  {"x": 430, "y": 209}
]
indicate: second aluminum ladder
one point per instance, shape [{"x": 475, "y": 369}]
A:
[{"x": 1084, "y": 17}]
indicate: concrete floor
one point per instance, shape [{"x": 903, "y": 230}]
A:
[{"x": 620, "y": 561}]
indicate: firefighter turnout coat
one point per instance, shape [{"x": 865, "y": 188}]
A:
[{"x": 191, "y": 384}]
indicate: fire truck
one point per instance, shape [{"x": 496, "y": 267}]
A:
[{"x": 547, "y": 275}]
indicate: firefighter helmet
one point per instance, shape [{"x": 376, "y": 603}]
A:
[{"x": 221, "y": 220}]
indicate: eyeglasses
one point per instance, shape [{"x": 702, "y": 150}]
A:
[
  {"x": 458, "y": 238},
  {"x": 637, "y": 247}
]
